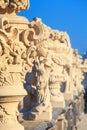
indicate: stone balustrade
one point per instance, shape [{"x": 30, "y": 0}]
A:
[{"x": 39, "y": 71}]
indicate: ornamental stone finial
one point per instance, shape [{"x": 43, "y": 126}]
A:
[{"x": 10, "y": 6}]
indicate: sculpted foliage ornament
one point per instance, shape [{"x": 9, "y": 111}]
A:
[
  {"x": 48, "y": 49},
  {"x": 34, "y": 57},
  {"x": 12, "y": 58},
  {"x": 10, "y": 6}
]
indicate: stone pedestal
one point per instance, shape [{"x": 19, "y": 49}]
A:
[{"x": 9, "y": 99}]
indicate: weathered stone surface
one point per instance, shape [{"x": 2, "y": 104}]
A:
[
  {"x": 36, "y": 58},
  {"x": 10, "y": 6},
  {"x": 11, "y": 63}
]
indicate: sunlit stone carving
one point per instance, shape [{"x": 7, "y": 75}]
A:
[
  {"x": 36, "y": 58},
  {"x": 11, "y": 63}
]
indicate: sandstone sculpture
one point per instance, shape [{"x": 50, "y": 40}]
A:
[
  {"x": 11, "y": 68},
  {"x": 37, "y": 58},
  {"x": 48, "y": 45}
]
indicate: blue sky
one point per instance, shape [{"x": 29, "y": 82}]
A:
[{"x": 63, "y": 15}]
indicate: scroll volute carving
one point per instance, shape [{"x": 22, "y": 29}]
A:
[{"x": 33, "y": 33}]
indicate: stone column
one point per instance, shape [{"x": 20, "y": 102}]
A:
[{"x": 11, "y": 62}]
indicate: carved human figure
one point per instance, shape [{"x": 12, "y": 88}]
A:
[{"x": 41, "y": 88}]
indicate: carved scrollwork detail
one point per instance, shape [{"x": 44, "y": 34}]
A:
[
  {"x": 4, "y": 23},
  {"x": 10, "y": 6},
  {"x": 37, "y": 33},
  {"x": 33, "y": 33},
  {"x": 10, "y": 60},
  {"x": 27, "y": 36}
]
